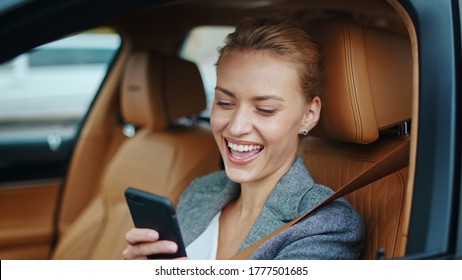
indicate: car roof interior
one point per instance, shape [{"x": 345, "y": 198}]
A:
[
  {"x": 175, "y": 18},
  {"x": 209, "y": 12}
]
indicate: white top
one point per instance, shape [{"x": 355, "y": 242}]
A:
[{"x": 205, "y": 246}]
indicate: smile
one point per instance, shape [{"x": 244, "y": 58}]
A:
[
  {"x": 243, "y": 148},
  {"x": 240, "y": 153}
]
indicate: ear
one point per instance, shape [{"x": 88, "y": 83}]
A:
[{"x": 312, "y": 113}]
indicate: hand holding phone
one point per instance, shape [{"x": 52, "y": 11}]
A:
[{"x": 155, "y": 212}]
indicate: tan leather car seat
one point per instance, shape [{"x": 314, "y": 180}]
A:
[
  {"x": 162, "y": 157},
  {"x": 368, "y": 91}
]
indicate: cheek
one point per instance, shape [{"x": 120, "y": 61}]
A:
[
  {"x": 281, "y": 132},
  {"x": 275, "y": 135},
  {"x": 281, "y": 126},
  {"x": 217, "y": 121}
]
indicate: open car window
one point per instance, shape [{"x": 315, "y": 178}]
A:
[{"x": 48, "y": 90}]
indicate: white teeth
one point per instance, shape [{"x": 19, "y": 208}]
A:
[{"x": 243, "y": 148}]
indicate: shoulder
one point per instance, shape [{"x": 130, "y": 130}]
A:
[
  {"x": 336, "y": 214},
  {"x": 338, "y": 226},
  {"x": 312, "y": 197},
  {"x": 336, "y": 217},
  {"x": 335, "y": 231}
]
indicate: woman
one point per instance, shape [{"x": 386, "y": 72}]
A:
[{"x": 266, "y": 99}]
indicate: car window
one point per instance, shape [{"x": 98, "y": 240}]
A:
[
  {"x": 201, "y": 46},
  {"x": 69, "y": 56},
  {"x": 48, "y": 90}
]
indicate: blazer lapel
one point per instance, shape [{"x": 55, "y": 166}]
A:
[
  {"x": 283, "y": 203},
  {"x": 207, "y": 201}
]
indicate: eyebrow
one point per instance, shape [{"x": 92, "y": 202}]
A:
[{"x": 255, "y": 98}]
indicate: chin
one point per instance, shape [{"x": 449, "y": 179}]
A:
[{"x": 238, "y": 175}]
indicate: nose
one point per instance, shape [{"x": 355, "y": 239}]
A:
[{"x": 240, "y": 122}]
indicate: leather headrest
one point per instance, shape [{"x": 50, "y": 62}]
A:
[
  {"x": 157, "y": 90},
  {"x": 368, "y": 80}
]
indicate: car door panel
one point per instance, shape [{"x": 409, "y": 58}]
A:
[
  {"x": 27, "y": 214},
  {"x": 31, "y": 175},
  {"x": 33, "y": 160}
]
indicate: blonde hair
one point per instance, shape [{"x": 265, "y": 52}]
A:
[{"x": 284, "y": 39}]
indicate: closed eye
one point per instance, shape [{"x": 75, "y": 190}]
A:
[
  {"x": 266, "y": 111},
  {"x": 224, "y": 105}
]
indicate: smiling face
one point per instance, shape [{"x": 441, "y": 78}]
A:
[{"x": 258, "y": 112}]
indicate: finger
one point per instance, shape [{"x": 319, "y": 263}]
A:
[
  {"x": 137, "y": 235},
  {"x": 141, "y": 250},
  {"x": 159, "y": 247},
  {"x": 127, "y": 254}
]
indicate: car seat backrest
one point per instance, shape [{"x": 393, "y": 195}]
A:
[
  {"x": 162, "y": 157},
  {"x": 367, "y": 93},
  {"x": 368, "y": 80},
  {"x": 175, "y": 82}
]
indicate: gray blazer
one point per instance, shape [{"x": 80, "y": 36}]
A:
[{"x": 335, "y": 231}]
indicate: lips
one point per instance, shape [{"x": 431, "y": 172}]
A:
[{"x": 242, "y": 153}]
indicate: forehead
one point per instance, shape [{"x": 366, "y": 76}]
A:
[{"x": 258, "y": 72}]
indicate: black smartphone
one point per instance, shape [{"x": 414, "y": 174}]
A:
[{"x": 152, "y": 211}]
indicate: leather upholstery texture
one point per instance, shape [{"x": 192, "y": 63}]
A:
[
  {"x": 368, "y": 74},
  {"x": 162, "y": 157},
  {"x": 368, "y": 89},
  {"x": 148, "y": 101},
  {"x": 27, "y": 228},
  {"x": 381, "y": 203}
]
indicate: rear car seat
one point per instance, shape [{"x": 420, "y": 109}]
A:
[
  {"x": 162, "y": 157},
  {"x": 368, "y": 92}
]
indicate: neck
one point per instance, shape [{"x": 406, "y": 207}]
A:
[
  {"x": 252, "y": 198},
  {"x": 254, "y": 194}
]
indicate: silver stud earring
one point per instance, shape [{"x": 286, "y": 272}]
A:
[{"x": 304, "y": 131}]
